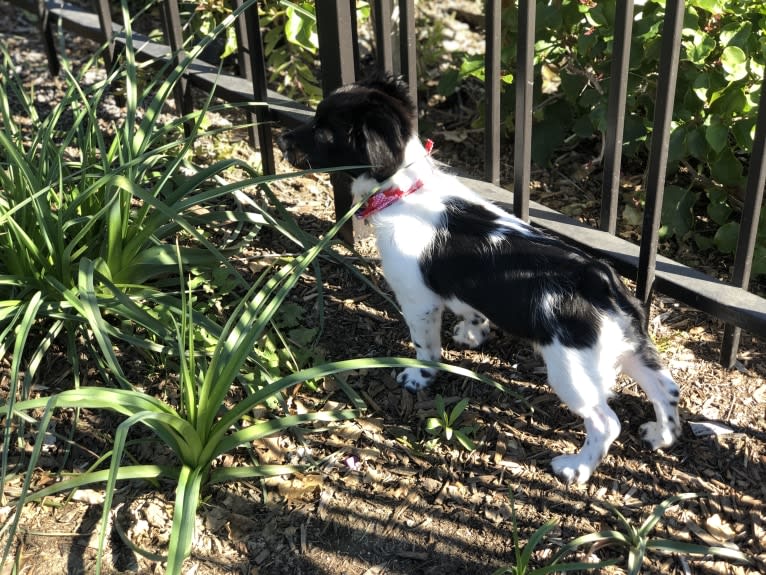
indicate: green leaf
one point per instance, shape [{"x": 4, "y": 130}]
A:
[
  {"x": 707, "y": 5},
  {"x": 759, "y": 260},
  {"x": 696, "y": 144},
  {"x": 730, "y": 101},
  {"x": 677, "y": 215},
  {"x": 464, "y": 440},
  {"x": 433, "y": 424},
  {"x": 458, "y": 410},
  {"x": 448, "y": 82},
  {"x": 727, "y": 169},
  {"x": 547, "y": 136},
  {"x": 717, "y": 135},
  {"x": 744, "y": 131},
  {"x": 672, "y": 546},
  {"x": 734, "y": 63},
  {"x": 699, "y": 47},
  {"x": 736, "y": 34},
  {"x": 473, "y": 66},
  {"x": 677, "y": 145},
  {"x": 701, "y": 86},
  {"x": 726, "y": 237},
  {"x": 439, "y": 403},
  {"x": 718, "y": 208}
]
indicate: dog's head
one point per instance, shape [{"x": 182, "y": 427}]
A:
[{"x": 365, "y": 124}]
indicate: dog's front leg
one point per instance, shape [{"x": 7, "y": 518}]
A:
[{"x": 424, "y": 320}]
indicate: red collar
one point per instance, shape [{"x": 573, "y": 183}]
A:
[{"x": 381, "y": 199}]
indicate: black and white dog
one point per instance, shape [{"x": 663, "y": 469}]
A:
[{"x": 441, "y": 245}]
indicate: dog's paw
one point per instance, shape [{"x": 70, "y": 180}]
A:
[
  {"x": 471, "y": 333},
  {"x": 571, "y": 469},
  {"x": 659, "y": 435},
  {"x": 413, "y": 379}
]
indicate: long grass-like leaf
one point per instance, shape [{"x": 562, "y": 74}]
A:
[
  {"x": 223, "y": 474},
  {"x": 92, "y": 314},
  {"x": 659, "y": 510},
  {"x": 272, "y": 426},
  {"x": 184, "y": 514},
  {"x": 230, "y": 418},
  {"x": 682, "y": 547},
  {"x": 173, "y": 430},
  {"x": 124, "y": 473},
  {"x": 22, "y": 333},
  {"x": 25, "y": 485},
  {"x": 117, "y": 451}
]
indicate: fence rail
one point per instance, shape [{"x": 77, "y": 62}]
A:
[{"x": 732, "y": 302}]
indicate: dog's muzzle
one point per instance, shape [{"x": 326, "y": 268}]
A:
[{"x": 290, "y": 150}]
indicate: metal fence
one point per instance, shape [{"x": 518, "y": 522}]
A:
[{"x": 338, "y": 47}]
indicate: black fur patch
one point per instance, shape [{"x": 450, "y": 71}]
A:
[{"x": 512, "y": 277}]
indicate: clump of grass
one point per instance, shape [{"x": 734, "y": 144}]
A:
[{"x": 637, "y": 541}]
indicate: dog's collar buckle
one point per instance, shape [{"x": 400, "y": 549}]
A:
[{"x": 381, "y": 199}]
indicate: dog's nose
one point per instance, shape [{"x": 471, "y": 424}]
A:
[{"x": 286, "y": 144}]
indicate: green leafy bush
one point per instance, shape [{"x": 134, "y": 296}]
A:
[{"x": 719, "y": 84}]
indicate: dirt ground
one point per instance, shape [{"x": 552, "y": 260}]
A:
[{"x": 381, "y": 499}]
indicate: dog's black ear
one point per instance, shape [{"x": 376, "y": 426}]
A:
[
  {"x": 393, "y": 86},
  {"x": 383, "y": 132}
]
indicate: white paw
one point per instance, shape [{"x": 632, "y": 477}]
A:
[
  {"x": 571, "y": 468},
  {"x": 659, "y": 435},
  {"x": 470, "y": 334},
  {"x": 413, "y": 379}
]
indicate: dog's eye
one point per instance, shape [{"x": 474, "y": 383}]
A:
[{"x": 323, "y": 136}]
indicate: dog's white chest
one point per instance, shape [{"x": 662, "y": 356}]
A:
[{"x": 403, "y": 234}]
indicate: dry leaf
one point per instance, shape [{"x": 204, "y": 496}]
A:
[{"x": 719, "y": 528}]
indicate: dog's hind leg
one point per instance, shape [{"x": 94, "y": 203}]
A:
[
  {"x": 424, "y": 318},
  {"x": 472, "y": 327},
  {"x": 662, "y": 391},
  {"x": 583, "y": 385}
]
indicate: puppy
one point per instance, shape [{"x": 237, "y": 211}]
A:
[{"x": 441, "y": 245}]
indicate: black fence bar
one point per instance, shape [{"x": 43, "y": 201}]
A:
[
  {"x": 618, "y": 89},
  {"x": 658, "y": 154},
  {"x": 44, "y": 24},
  {"x": 522, "y": 143},
  {"x": 492, "y": 91},
  {"x": 748, "y": 226},
  {"x": 245, "y": 68},
  {"x": 105, "y": 19},
  {"x": 407, "y": 39},
  {"x": 336, "y": 51},
  {"x": 257, "y": 75},
  {"x": 171, "y": 21},
  {"x": 381, "y": 18}
]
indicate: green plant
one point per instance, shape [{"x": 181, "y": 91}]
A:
[
  {"x": 205, "y": 16},
  {"x": 637, "y": 541},
  {"x": 291, "y": 46},
  {"x": 721, "y": 71},
  {"x": 524, "y": 554},
  {"x": 444, "y": 424},
  {"x": 90, "y": 219}
]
